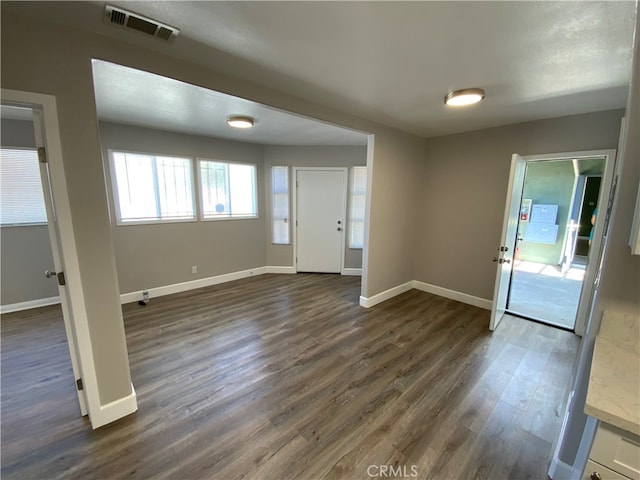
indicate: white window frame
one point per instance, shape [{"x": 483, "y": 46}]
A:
[
  {"x": 201, "y": 214},
  {"x": 286, "y": 220},
  {"x": 153, "y": 221},
  {"x": 352, "y": 176},
  {"x": 44, "y": 208}
]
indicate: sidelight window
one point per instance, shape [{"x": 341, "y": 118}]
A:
[
  {"x": 280, "y": 205},
  {"x": 357, "y": 197}
]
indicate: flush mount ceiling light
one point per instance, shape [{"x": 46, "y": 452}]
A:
[
  {"x": 240, "y": 122},
  {"x": 467, "y": 96}
]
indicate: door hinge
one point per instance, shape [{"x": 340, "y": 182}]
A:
[
  {"x": 79, "y": 384},
  {"x": 61, "y": 279},
  {"x": 42, "y": 155}
]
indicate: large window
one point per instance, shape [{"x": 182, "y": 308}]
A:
[
  {"x": 152, "y": 188},
  {"x": 21, "y": 198},
  {"x": 228, "y": 190},
  {"x": 280, "y": 205},
  {"x": 357, "y": 198}
]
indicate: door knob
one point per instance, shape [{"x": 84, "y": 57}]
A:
[
  {"x": 507, "y": 260},
  {"x": 495, "y": 259},
  {"x": 49, "y": 274}
]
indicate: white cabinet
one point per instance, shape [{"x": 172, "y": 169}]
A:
[
  {"x": 595, "y": 471},
  {"x": 615, "y": 454}
]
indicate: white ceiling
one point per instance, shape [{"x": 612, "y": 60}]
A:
[
  {"x": 134, "y": 97},
  {"x": 393, "y": 62}
]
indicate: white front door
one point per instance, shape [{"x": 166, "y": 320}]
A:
[
  {"x": 505, "y": 255},
  {"x": 320, "y": 219}
]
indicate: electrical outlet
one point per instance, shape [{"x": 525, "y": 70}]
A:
[
  {"x": 194, "y": 269},
  {"x": 145, "y": 295}
]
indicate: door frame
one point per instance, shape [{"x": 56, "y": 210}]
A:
[
  {"x": 595, "y": 251},
  {"x": 48, "y": 136},
  {"x": 294, "y": 216}
]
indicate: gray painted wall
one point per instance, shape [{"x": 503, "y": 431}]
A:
[
  {"x": 26, "y": 254},
  {"x": 396, "y": 167},
  {"x": 547, "y": 183},
  {"x": 318, "y": 156},
  {"x": 25, "y": 251},
  {"x": 411, "y": 202},
  {"x": 465, "y": 187},
  {"x": 31, "y": 47},
  {"x": 156, "y": 255},
  {"x": 214, "y": 247}
]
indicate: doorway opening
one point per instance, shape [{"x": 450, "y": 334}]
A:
[
  {"x": 39, "y": 115},
  {"x": 559, "y": 200},
  {"x": 30, "y": 215},
  {"x": 532, "y": 218}
]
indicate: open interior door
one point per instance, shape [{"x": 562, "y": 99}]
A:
[
  {"x": 56, "y": 274},
  {"x": 506, "y": 251}
]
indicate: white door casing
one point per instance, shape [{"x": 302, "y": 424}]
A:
[
  {"x": 596, "y": 250},
  {"x": 50, "y": 137},
  {"x": 514, "y": 191},
  {"x": 505, "y": 256},
  {"x": 320, "y": 219}
]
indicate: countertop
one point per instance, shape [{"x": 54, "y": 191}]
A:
[{"x": 614, "y": 383}]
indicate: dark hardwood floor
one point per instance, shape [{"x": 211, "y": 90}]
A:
[{"x": 286, "y": 377}]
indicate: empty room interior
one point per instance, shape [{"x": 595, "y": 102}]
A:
[{"x": 308, "y": 240}]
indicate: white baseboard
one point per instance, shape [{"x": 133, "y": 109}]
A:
[
  {"x": 425, "y": 287},
  {"x": 283, "y": 269},
  {"x": 453, "y": 295},
  {"x": 386, "y": 295},
  {"x": 192, "y": 285},
  {"x": 17, "y": 307},
  {"x": 114, "y": 410},
  {"x": 352, "y": 271}
]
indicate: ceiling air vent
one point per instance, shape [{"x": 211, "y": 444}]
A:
[{"x": 125, "y": 18}]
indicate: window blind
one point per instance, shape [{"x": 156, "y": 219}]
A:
[
  {"x": 21, "y": 197},
  {"x": 357, "y": 202},
  {"x": 280, "y": 205}
]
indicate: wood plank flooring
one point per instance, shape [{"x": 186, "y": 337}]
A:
[{"x": 286, "y": 377}]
